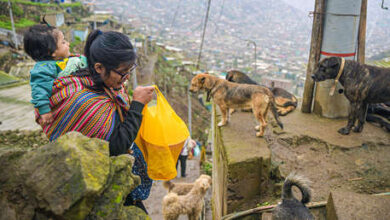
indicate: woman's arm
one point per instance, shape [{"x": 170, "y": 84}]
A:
[{"x": 125, "y": 133}]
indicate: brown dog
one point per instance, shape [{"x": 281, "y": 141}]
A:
[
  {"x": 229, "y": 95},
  {"x": 285, "y": 101},
  {"x": 182, "y": 188}
]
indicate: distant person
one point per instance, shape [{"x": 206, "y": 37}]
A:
[
  {"x": 188, "y": 145},
  {"x": 200, "y": 98},
  {"x": 47, "y": 46},
  {"x": 94, "y": 102}
]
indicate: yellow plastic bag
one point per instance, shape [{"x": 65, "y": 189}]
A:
[{"x": 161, "y": 138}]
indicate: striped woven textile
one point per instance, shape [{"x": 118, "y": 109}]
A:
[{"x": 76, "y": 108}]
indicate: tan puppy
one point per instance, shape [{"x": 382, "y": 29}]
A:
[
  {"x": 228, "y": 95},
  {"x": 181, "y": 188},
  {"x": 190, "y": 204}
]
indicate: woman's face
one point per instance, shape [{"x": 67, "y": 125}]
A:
[{"x": 116, "y": 77}]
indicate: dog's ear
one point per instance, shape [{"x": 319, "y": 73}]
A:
[
  {"x": 202, "y": 79},
  {"x": 229, "y": 76},
  {"x": 333, "y": 62}
]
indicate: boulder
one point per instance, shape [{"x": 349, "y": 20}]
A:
[{"x": 71, "y": 178}]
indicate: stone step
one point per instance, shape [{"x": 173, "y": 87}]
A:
[{"x": 344, "y": 205}]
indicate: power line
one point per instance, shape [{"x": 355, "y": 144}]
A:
[
  {"x": 220, "y": 14},
  {"x": 175, "y": 14},
  {"x": 204, "y": 32}
]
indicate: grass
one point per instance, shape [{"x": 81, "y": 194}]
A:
[
  {"x": 382, "y": 63},
  {"x": 22, "y": 23},
  {"x": 6, "y": 79},
  {"x": 28, "y": 3},
  {"x": 207, "y": 168},
  {"x": 25, "y": 2}
]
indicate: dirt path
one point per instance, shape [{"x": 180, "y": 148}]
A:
[
  {"x": 153, "y": 203},
  {"x": 16, "y": 111},
  {"x": 311, "y": 146},
  {"x": 146, "y": 73}
]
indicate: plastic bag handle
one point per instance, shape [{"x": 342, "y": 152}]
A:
[{"x": 158, "y": 92}]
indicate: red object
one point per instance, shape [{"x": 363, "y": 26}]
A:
[{"x": 338, "y": 54}]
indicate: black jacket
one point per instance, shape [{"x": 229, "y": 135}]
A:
[{"x": 125, "y": 132}]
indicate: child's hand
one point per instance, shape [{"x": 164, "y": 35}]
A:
[{"x": 46, "y": 119}]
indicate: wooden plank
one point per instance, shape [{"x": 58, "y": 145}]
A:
[{"x": 315, "y": 49}]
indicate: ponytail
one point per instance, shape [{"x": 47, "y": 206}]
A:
[{"x": 91, "y": 37}]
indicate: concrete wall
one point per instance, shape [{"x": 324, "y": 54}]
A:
[
  {"x": 219, "y": 196},
  {"x": 241, "y": 166}
]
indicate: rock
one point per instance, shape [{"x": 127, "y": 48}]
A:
[
  {"x": 72, "y": 178},
  {"x": 110, "y": 204}
]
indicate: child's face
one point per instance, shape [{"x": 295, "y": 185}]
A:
[{"x": 62, "y": 50}]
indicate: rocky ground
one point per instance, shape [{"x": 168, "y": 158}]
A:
[{"x": 311, "y": 145}]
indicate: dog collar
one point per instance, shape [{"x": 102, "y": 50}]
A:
[{"x": 333, "y": 88}]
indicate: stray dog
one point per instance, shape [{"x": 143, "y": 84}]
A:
[
  {"x": 363, "y": 84},
  {"x": 182, "y": 188},
  {"x": 291, "y": 208},
  {"x": 285, "y": 101},
  {"x": 190, "y": 204},
  {"x": 228, "y": 95},
  {"x": 379, "y": 114}
]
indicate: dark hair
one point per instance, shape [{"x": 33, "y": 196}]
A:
[
  {"x": 40, "y": 42},
  {"x": 111, "y": 49}
]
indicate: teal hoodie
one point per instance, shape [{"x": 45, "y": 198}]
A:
[{"x": 42, "y": 77}]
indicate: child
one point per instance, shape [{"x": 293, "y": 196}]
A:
[{"x": 47, "y": 46}]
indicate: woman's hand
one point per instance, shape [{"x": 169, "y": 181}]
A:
[
  {"x": 143, "y": 94},
  {"x": 46, "y": 119}
]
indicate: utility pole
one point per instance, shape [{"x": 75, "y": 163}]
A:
[
  {"x": 314, "y": 57},
  {"x": 254, "y": 43},
  {"x": 362, "y": 33},
  {"x": 15, "y": 39}
]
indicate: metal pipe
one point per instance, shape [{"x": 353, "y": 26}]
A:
[{"x": 15, "y": 39}]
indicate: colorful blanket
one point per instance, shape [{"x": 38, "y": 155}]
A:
[{"x": 77, "y": 108}]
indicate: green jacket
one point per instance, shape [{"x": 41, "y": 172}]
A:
[
  {"x": 43, "y": 74},
  {"x": 42, "y": 77}
]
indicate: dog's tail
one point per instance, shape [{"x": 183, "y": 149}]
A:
[
  {"x": 300, "y": 182},
  {"x": 293, "y": 102},
  {"x": 168, "y": 185},
  {"x": 275, "y": 113}
]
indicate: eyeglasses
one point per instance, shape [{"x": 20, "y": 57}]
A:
[{"x": 123, "y": 75}]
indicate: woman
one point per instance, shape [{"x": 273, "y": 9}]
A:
[{"x": 94, "y": 102}]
